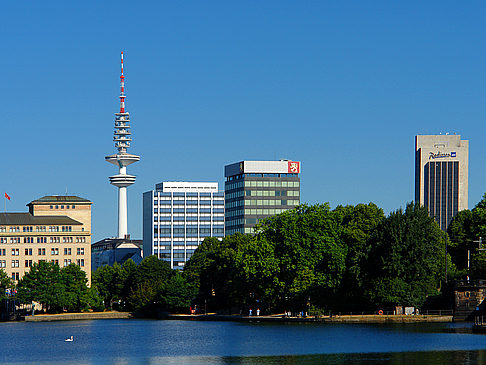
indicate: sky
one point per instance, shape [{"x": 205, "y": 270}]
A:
[{"x": 342, "y": 87}]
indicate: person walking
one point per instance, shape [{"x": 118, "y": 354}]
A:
[{"x": 258, "y": 311}]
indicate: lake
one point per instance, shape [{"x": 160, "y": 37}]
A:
[{"x": 194, "y": 342}]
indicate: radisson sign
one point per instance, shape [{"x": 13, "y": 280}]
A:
[{"x": 433, "y": 156}]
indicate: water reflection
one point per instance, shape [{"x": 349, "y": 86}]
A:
[{"x": 193, "y": 342}]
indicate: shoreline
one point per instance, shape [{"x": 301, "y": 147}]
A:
[
  {"x": 238, "y": 318},
  {"x": 78, "y": 316},
  {"x": 372, "y": 318}
]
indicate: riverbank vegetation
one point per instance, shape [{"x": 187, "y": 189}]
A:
[{"x": 311, "y": 258}]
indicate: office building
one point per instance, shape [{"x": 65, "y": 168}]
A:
[
  {"x": 177, "y": 216},
  {"x": 441, "y": 175},
  {"x": 255, "y": 190},
  {"x": 56, "y": 229}
]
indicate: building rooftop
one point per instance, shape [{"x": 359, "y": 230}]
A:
[
  {"x": 113, "y": 243},
  {"x": 60, "y": 199},
  {"x": 9, "y": 219},
  {"x": 272, "y": 167}
]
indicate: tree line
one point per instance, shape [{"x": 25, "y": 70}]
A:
[{"x": 351, "y": 258}]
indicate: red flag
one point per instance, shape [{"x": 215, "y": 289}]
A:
[{"x": 6, "y": 196}]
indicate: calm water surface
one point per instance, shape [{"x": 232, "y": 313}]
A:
[{"x": 193, "y": 342}]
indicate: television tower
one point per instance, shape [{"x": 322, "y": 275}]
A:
[{"x": 122, "y": 159}]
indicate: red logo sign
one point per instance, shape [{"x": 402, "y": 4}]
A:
[{"x": 294, "y": 167}]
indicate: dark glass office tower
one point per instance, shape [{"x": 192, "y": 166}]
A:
[
  {"x": 255, "y": 190},
  {"x": 441, "y": 175}
]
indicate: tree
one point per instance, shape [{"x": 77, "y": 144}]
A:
[
  {"x": 74, "y": 281},
  {"x": 105, "y": 281},
  {"x": 407, "y": 259},
  {"x": 5, "y": 283},
  {"x": 176, "y": 294},
  {"x": 357, "y": 224},
  {"x": 43, "y": 284},
  {"x": 309, "y": 253}
]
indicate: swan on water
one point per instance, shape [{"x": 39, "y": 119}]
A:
[{"x": 70, "y": 339}]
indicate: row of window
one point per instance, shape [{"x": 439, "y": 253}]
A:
[
  {"x": 189, "y": 210},
  {"x": 28, "y": 263},
  {"x": 62, "y": 206},
  {"x": 194, "y": 231},
  {"x": 188, "y": 202},
  {"x": 41, "y": 251},
  {"x": 263, "y": 211},
  {"x": 272, "y": 192},
  {"x": 53, "y": 239},
  {"x": 187, "y": 194},
  {"x": 271, "y": 202},
  {"x": 3, "y": 229},
  {"x": 263, "y": 184}
]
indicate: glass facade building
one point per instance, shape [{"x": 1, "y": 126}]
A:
[
  {"x": 441, "y": 175},
  {"x": 255, "y": 190},
  {"x": 177, "y": 216}
]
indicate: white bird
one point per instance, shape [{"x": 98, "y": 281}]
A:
[{"x": 70, "y": 339}]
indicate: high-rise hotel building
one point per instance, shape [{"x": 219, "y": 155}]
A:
[
  {"x": 56, "y": 229},
  {"x": 441, "y": 175},
  {"x": 177, "y": 216},
  {"x": 255, "y": 190}
]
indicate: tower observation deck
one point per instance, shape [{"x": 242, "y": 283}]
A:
[{"x": 122, "y": 159}]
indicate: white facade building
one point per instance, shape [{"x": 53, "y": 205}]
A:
[{"x": 177, "y": 216}]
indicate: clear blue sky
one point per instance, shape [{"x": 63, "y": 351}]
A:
[{"x": 341, "y": 86}]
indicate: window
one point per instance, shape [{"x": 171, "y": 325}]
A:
[
  {"x": 67, "y": 251},
  {"x": 3, "y": 240},
  {"x": 15, "y": 263},
  {"x": 15, "y": 240},
  {"x": 54, "y": 239},
  {"x": 50, "y": 207},
  {"x": 28, "y": 263},
  {"x": 41, "y": 239},
  {"x": 80, "y": 262},
  {"x": 15, "y": 276},
  {"x": 40, "y": 229},
  {"x": 3, "y": 263},
  {"x": 67, "y": 262},
  {"x": 67, "y": 240},
  {"x": 2, "y": 252},
  {"x": 80, "y": 251},
  {"x": 73, "y": 206},
  {"x": 42, "y": 251},
  {"x": 15, "y": 251},
  {"x": 29, "y": 240},
  {"x": 80, "y": 239},
  {"x": 3, "y": 229},
  {"x": 55, "y": 262},
  {"x": 28, "y": 252},
  {"x": 54, "y": 251}
]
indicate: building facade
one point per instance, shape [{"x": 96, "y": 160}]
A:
[
  {"x": 177, "y": 216},
  {"x": 255, "y": 190},
  {"x": 110, "y": 250},
  {"x": 56, "y": 229},
  {"x": 441, "y": 175}
]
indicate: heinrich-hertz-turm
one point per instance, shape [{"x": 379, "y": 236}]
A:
[{"x": 122, "y": 159}]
